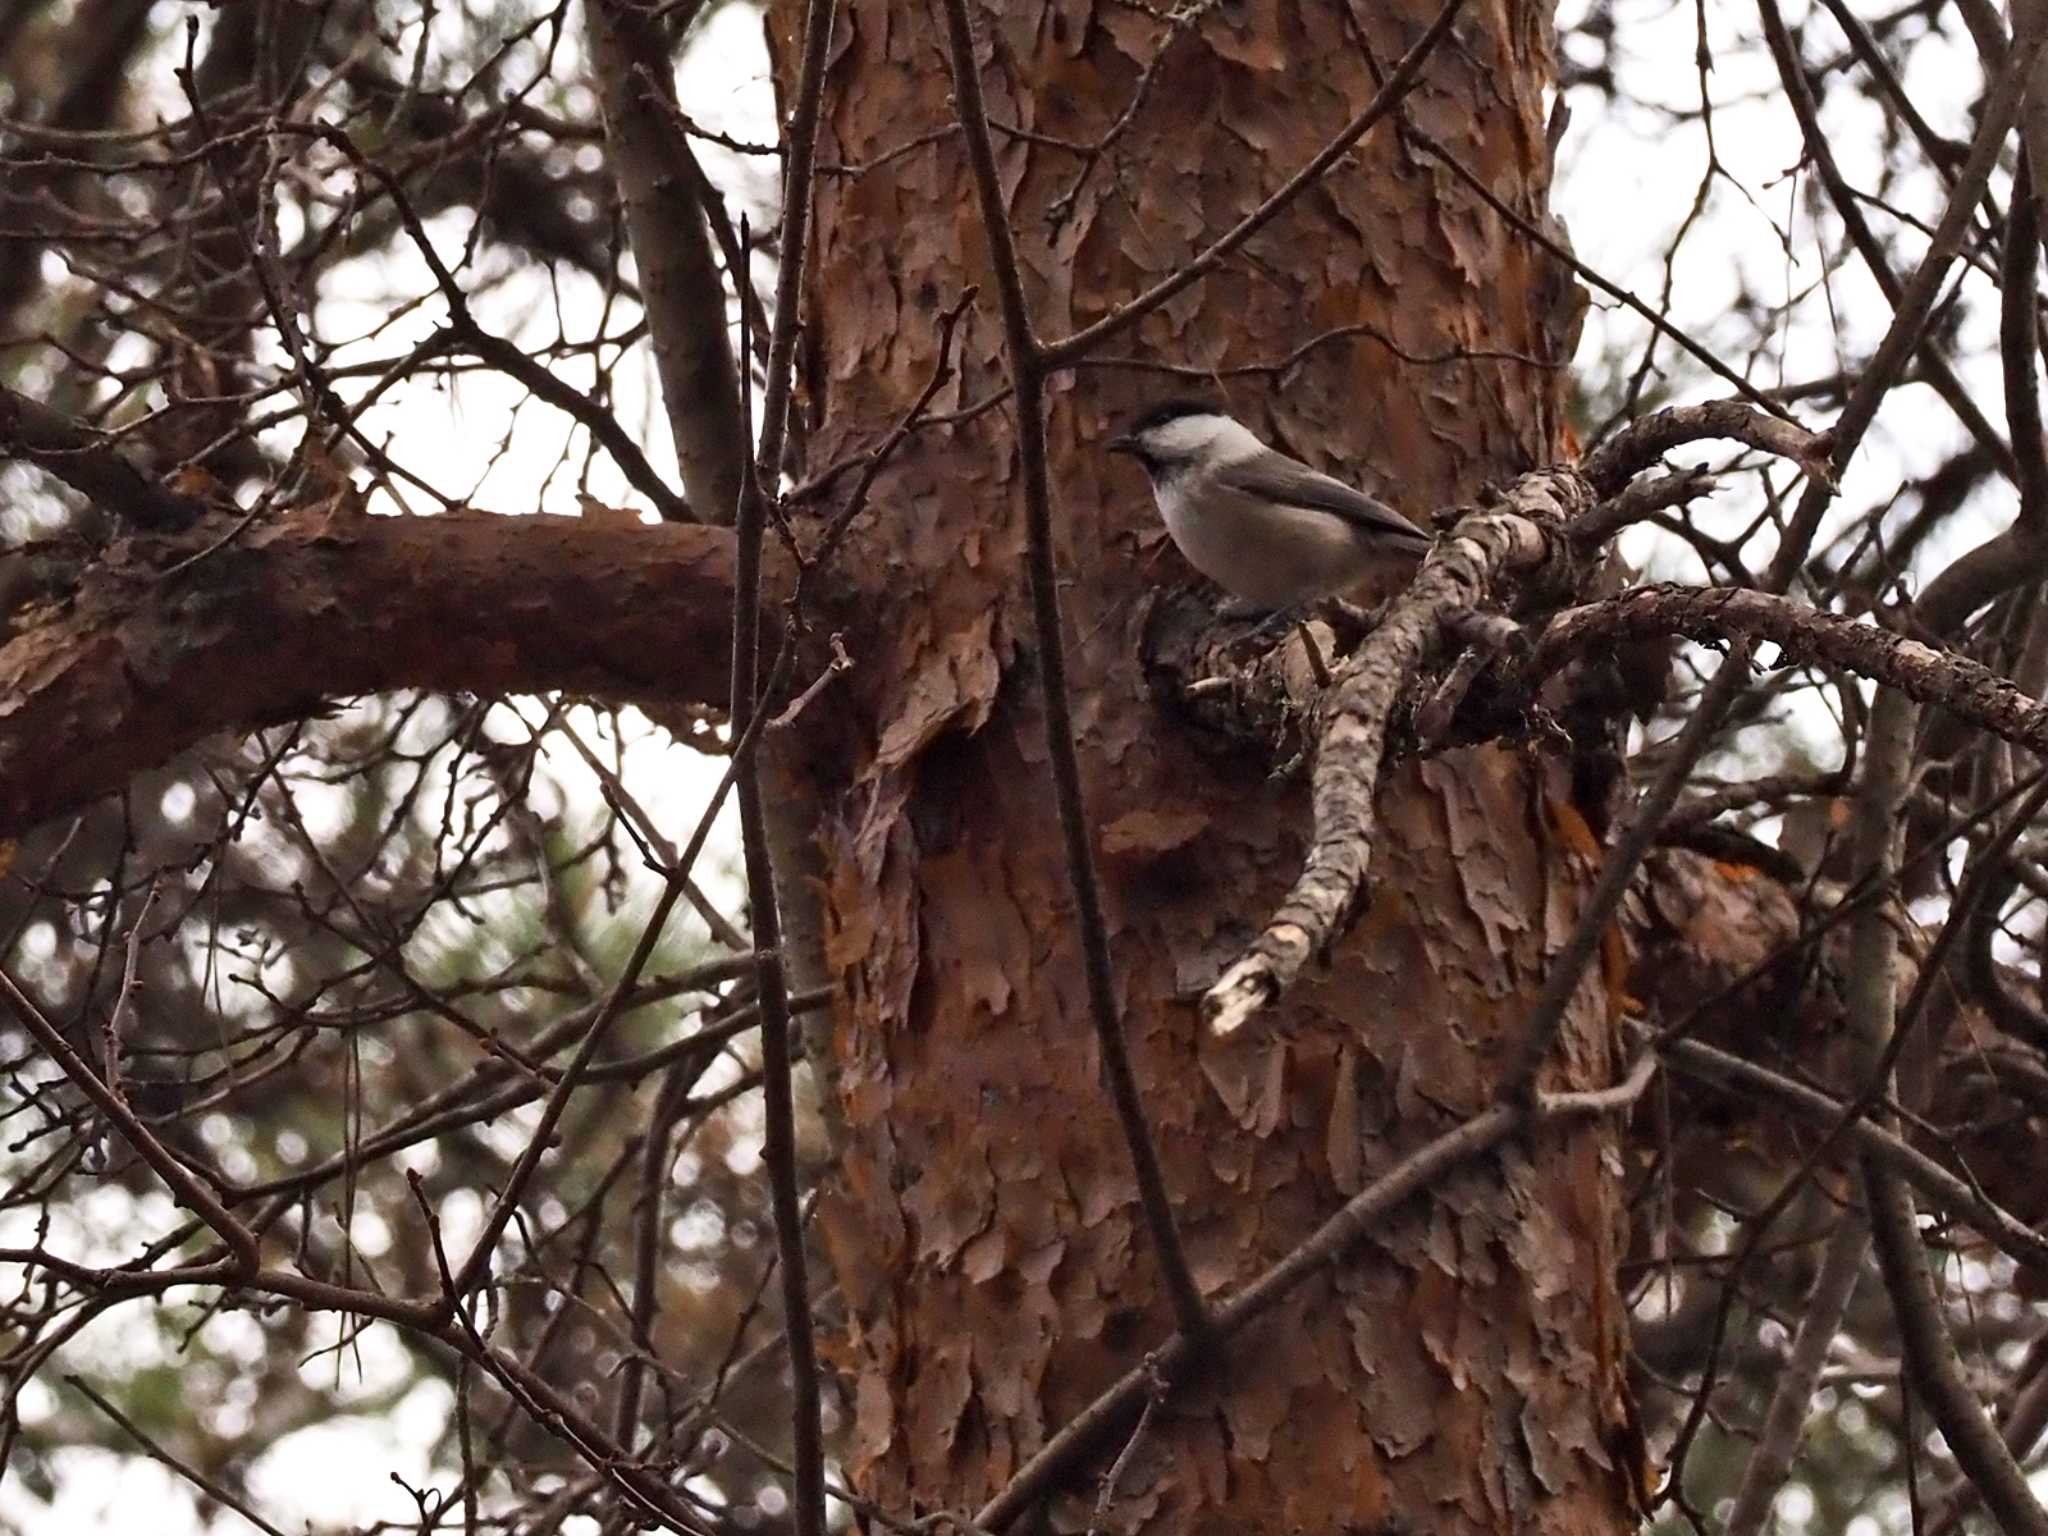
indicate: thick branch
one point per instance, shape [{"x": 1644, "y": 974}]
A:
[{"x": 151, "y": 655}]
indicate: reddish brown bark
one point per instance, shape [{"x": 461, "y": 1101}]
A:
[
  {"x": 167, "y": 641},
  {"x": 1466, "y": 1372}
]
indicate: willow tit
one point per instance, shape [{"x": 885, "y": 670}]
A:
[{"x": 1264, "y": 527}]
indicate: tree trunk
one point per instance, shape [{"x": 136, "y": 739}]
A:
[{"x": 1465, "y": 1372}]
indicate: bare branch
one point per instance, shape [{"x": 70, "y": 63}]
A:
[
  {"x": 86, "y": 461},
  {"x": 1871, "y": 996},
  {"x": 125, "y": 677},
  {"x": 2019, "y": 348},
  {"x": 1792, "y": 1398},
  {"x": 1999, "y": 1227},
  {"x": 770, "y": 968},
  {"x": 503, "y": 355},
  {"x": 1915, "y": 303},
  {"x": 680, "y": 284},
  {"x": 1934, "y": 363},
  {"x": 1640, "y": 444},
  {"x": 1964, "y": 687},
  {"x": 211, "y": 1487}
]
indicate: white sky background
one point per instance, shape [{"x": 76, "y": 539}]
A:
[{"x": 1626, "y": 180}]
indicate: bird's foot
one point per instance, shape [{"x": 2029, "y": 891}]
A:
[{"x": 1263, "y": 621}]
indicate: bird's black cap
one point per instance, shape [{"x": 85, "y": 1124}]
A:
[
  {"x": 1131, "y": 439},
  {"x": 1172, "y": 410}
]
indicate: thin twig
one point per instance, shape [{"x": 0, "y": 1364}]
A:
[
  {"x": 771, "y": 983},
  {"x": 185, "y": 1185},
  {"x": 504, "y": 355},
  {"x": 676, "y": 884},
  {"x": 1027, "y": 364},
  {"x": 1115, "y": 1474},
  {"x": 1089, "y": 1432},
  {"x": 478, "y": 1264},
  {"x": 840, "y": 662},
  {"x": 1529, "y": 231},
  {"x": 1996, "y": 114},
  {"x": 799, "y": 185},
  {"x": 1746, "y": 1080},
  {"x": 1934, "y": 364},
  {"x": 650, "y": 1224},
  {"x": 878, "y": 458},
  {"x": 221, "y": 1495},
  {"x": 118, "y": 1015}
]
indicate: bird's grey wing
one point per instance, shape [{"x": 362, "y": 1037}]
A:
[{"x": 1275, "y": 477}]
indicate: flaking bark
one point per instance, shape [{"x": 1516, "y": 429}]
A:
[{"x": 1464, "y": 1371}]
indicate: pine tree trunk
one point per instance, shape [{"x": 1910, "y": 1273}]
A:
[{"x": 1464, "y": 1371}]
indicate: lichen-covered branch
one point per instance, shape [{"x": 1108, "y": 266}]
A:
[
  {"x": 1530, "y": 533},
  {"x": 1963, "y": 687},
  {"x": 1520, "y": 533},
  {"x": 1643, "y": 441}
]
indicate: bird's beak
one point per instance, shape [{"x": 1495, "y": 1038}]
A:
[{"x": 1122, "y": 444}]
